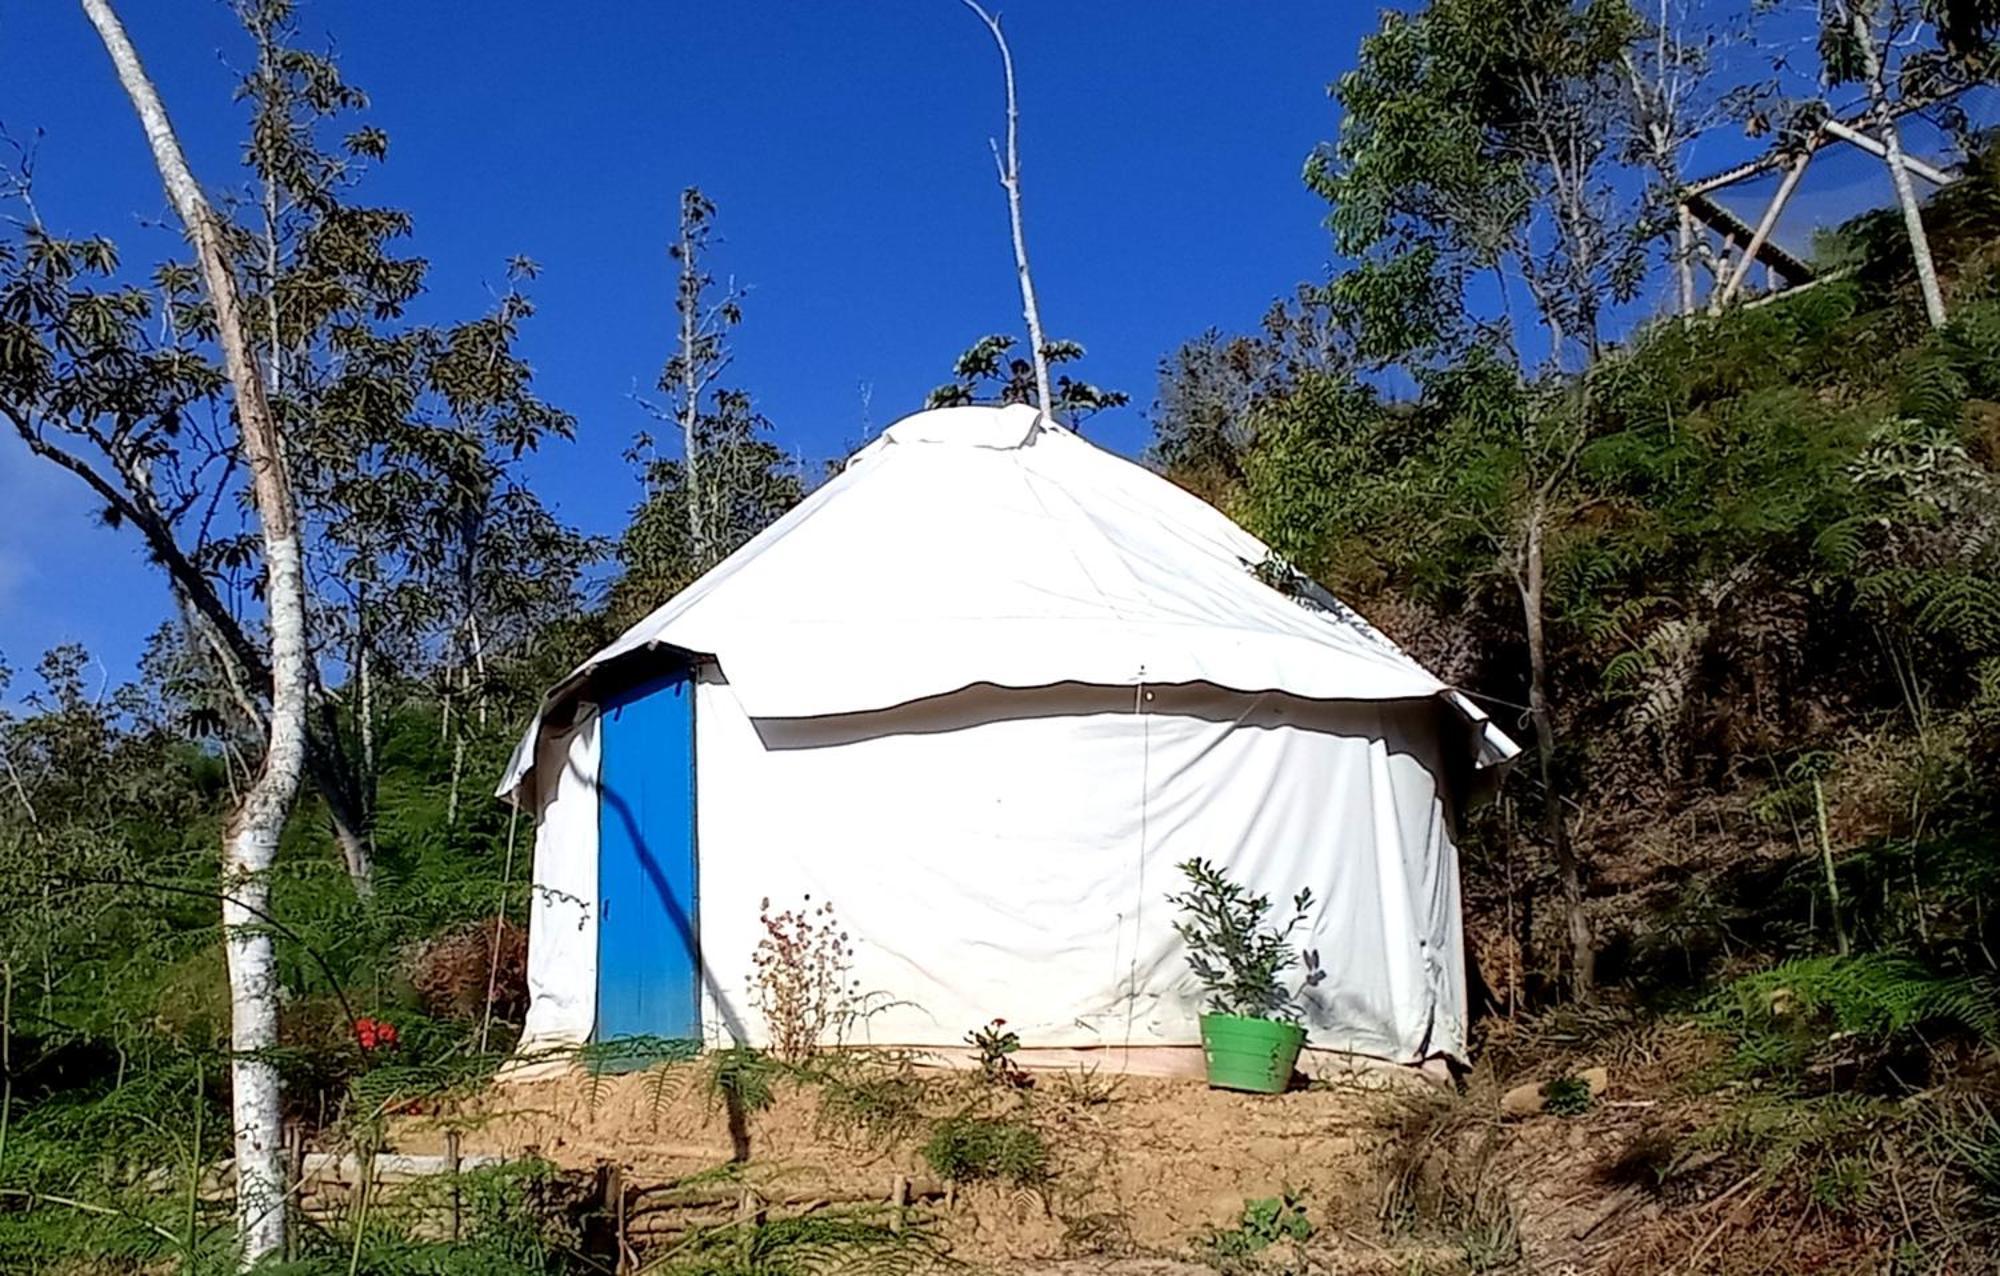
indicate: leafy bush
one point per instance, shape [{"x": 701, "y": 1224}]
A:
[
  {"x": 1233, "y": 951},
  {"x": 971, "y": 1149},
  {"x": 875, "y": 1095},
  {"x": 740, "y": 1079}
]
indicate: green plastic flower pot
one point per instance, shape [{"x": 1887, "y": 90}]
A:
[{"x": 1250, "y": 1054}]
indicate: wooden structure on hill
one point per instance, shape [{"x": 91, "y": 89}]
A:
[{"x": 1728, "y": 246}]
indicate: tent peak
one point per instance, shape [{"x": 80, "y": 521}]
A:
[{"x": 991, "y": 426}]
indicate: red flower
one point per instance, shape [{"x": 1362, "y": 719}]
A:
[{"x": 374, "y": 1033}]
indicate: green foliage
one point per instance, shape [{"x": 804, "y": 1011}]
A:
[
  {"x": 1239, "y": 958},
  {"x": 987, "y": 373},
  {"x": 966, "y": 1148},
  {"x": 511, "y": 1221},
  {"x": 741, "y": 1079},
  {"x": 727, "y": 480},
  {"x": 1781, "y": 1016},
  {"x": 1266, "y": 1221},
  {"x": 1476, "y": 135},
  {"x": 1567, "y": 1096},
  {"x": 879, "y": 1097},
  {"x": 993, "y": 1048}
]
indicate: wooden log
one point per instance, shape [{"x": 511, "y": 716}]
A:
[{"x": 457, "y": 1163}]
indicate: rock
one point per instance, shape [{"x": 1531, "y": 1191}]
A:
[
  {"x": 1598, "y": 1079},
  {"x": 1523, "y": 1100}
]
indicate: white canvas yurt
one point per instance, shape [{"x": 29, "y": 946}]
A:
[{"x": 983, "y": 691}]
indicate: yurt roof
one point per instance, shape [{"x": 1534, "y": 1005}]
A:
[{"x": 987, "y": 545}]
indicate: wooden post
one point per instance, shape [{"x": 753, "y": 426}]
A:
[
  {"x": 1684, "y": 261},
  {"x": 457, "y": 1199},
  {"x": 1765, "y": 225},
  {"x": 1848, "y": 133},
  {"x": 6, "y": 1060},
  {"x": 746, "y": 1226},
  {"x": 1826, "y": 862},
  {"x": 365, "y": 1172},
  {"x": 899, "y": 1196},
  {"x": 295, "y": 1161},
  {"x": 614, "y": 1188}
]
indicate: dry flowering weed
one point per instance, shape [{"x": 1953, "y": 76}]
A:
[{"x": 802, "y": 978}]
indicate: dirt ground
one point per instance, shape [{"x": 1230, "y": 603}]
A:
[
  {"x": 1395, "y": 1176},
  {"x": 1141, "y": 1167}
]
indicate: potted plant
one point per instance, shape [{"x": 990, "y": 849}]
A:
[{"x": 1250, "y": 1034}]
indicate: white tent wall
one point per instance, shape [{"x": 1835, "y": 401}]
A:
[
  {"x": 562, "y": 903},
  {"x": 1009, "y": 852}
]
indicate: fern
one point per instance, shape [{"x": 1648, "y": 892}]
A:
[
  {"x": 969, "y": 1149},
  {"x": 1871, "y": 996},
  {"x": 853, "y": 1242}
]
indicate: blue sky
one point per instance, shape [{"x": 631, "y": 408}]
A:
[{"x": 845, "y": 144}]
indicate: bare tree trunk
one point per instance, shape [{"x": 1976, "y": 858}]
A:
[
  {"x": 1010, "y": 181},
  {"x": 1582, "y": 954},
  {"x": 250, "y": 841},
  {"x": 1899, "y": 172},
  {"x": 1684, "y": 262},
  {"x": 690, "y": 295}
]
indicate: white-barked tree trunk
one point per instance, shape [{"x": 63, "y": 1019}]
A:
[
  {"x": 1010, "y": 181},
  {"x": 250, "y": 841}
]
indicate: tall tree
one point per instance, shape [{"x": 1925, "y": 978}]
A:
[
  {"x": 426, "y": 548},
  {"x": 729, "y": 480},
  {"x": 250, "y": 842},
  {"x": 1476, "y": 138},
  {"x": 402, "y": 438}
]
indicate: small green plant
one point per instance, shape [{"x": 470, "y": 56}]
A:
[
  {"x": 969, "y": 1149},
  {"x": 1265, "y": 1222},
  {"x": 993, "y": 1050},
  {"x": 1567, "y": 1096},
  {"x": 1238, "y": 956},
  {"x": 740, "y": 1079},
  {"x": 875, "y": 1096}
]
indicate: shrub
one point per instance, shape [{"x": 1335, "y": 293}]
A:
[
  {"x": 1784, "y": 1017},
  {"x": 450, "y": 973},
  {"x": 877, "y": 1097}
]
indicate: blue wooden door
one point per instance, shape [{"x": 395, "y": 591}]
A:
[{"x": 648, "y": 960}]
